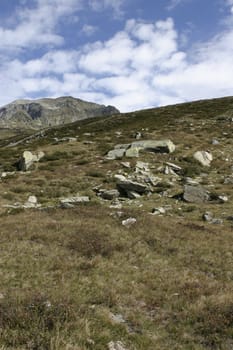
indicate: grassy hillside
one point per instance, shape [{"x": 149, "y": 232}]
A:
[{"x": 77, "y": 279}]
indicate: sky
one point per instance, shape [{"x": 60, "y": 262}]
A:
[{"x": 131, "y": 54}]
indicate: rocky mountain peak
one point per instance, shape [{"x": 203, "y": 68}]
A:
[{"x": 48, "y": 112}]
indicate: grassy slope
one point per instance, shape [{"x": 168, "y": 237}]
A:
[{"x": 63, "y": 272}]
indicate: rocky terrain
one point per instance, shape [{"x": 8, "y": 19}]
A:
[
  {"x": 47, "y": 112},
  {"x": 116, "y": 232}
]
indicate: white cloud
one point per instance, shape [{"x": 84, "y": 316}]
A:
[
  {"x": 140, "y": 66},
  {"x": 89, "y": 29},
  {"x": 35, "y": 26},
  {"x": 174, "y": 3},
  {"x": 101, "y": 5}
]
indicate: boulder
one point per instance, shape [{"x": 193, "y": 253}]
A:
[
  {"x": 162, "y": 146},
  {"x": 195, "y": 194},
  {"x": 109, "y": 194},
  {"x": 28, "y": 159},
  {"x": 203, "y": 157},
  {"x": 131, "y": 186}
]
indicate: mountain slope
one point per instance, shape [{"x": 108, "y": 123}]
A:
[
  {"x": 75, "y": 276},
  {"x": 48, "y": 112}
]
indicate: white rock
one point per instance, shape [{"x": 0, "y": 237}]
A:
[
  {"x": 203, "y": 157},
  {"x": 74, "y": 200},
  {"x": 128, "y": 222},
  {"x": 117, "y": 345}
]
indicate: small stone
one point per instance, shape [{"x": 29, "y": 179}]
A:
[
  {"x": 74, "y": 200},
  {"x": 117, "y": 345},
  {"x": 138, "y": 135},
  {"x": 208, "y": 216},
  {"x": 127, "y": 185},
  {"x": 120, "y": 177},
  {"x": 158, "y": 211},
  {"x": 223, "y": 199},
  {"x": 133, "y": 195},
  {"x": 132, "y": 152},
  {"x": 118, "y": 318},
  {"x": 109, "y": 194},
  {"x": 128, "y": 222},
  {"x": 126, "y": 165},
  {"x": 203, "y": 157},
  {"x": 217, "y": 221}
]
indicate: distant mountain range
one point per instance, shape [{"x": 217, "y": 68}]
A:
[{"x": 46, "y": 112}]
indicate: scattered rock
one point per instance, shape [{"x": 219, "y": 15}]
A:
[
  {"x": 190, "y": 181},
  {"x": 141, "y": 167},
  {"x": 138, "y": 135},
  {"x": 217, "y": 221},
  {"x": 174, "y": 167},
  {"x": 7, "y": 173},
  {"x": 70, "y": 202},
  {"x": 208, "y": 216},
  {"x": 223, "y": 199},
  {"x": 126, "y": 165},
  {"x": 195, "y": 194},
  {"x": 158, "y": 211},
  {"x": 115, "y": 154},
  {"x": 31, "y": 202},
  {"x": 118, "y": 318},
  {"x": 117, "y": 345},
  {"x": 108, "y": 194},
  {"x": 203, "y": 157},
  {"x": 215, "y": 142},
  {"x": 132, "y": 152},
  {"x": 128, "y": 222},
  {"x": 120, "y": 177},
  {"x": 133, "y": 195},
  {"x": 126, "y": 186}
]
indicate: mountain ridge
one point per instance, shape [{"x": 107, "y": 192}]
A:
[{"x": 47, "y": 112}]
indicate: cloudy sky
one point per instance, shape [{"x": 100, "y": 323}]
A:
[{"x": 131, "y": 54}]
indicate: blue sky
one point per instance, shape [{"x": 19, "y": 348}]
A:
[{"x": 132, "y": 54}]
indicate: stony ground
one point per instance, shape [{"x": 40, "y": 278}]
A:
[{"x": 126, "y": 253}]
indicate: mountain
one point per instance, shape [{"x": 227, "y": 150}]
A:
[{"x": 47, "y": 112}]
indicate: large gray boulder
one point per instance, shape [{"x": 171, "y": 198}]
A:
[{"x": 195, "y": 194}]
